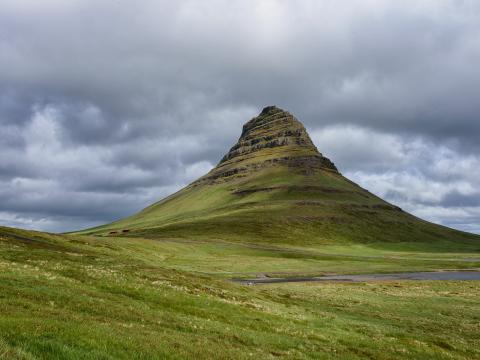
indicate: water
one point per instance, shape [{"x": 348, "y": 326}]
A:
[{"x": 431, "y": 275}]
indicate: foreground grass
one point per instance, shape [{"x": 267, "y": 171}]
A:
[{"x": 87, "y": 298}]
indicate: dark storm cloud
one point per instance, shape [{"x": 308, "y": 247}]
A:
[
  {"x": 110, "y": 105},
  {"x": 457, "y": 199}
]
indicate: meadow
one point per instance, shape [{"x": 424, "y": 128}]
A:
[{"x": 85, "y": 297}]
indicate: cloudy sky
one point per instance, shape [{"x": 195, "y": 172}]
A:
[{"x": 108, "y": 105}]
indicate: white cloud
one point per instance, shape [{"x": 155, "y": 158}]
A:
[{"x": 432, "y": 181}]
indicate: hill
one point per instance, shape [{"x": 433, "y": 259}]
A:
[{"x": 274, "y": 186}]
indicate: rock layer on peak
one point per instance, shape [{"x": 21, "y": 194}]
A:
[
  {"x": 274, "y": 137},
  {"x": 272, "y": 128}
]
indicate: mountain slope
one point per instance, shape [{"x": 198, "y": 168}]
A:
[{"x": 274, "y": 186}]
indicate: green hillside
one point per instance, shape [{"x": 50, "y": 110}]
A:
[
  {"x": 274, "y": 186},
  {"x": 80, "y": 297}
]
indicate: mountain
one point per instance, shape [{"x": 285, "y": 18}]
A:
[{"x": 275, "y": 186}]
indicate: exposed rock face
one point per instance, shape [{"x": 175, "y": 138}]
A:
[
  {"x": 272, "y": 128},
  {"x": 274, "y": 137}
]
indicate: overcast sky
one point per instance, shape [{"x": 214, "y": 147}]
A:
[{"x": 107, "y": 106}]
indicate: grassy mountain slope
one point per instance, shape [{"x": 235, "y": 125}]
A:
[{"x": 275, "y": 187}]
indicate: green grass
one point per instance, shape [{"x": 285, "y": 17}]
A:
[
  {"x": 246, "y": 260},
  {"x": 321, "y": 209},
  {"x": 79, "y": 297}
]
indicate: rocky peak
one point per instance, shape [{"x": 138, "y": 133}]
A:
[
  {"x": 272, "y": 128},
  {"x": 273, "y": 138}
]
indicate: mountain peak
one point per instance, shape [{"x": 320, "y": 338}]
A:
[
  {"x": 272, "y": 128},
  {"x": 271, "y": 109},
  {"x": 274, "y": 137},
  {"x": 266, "y": 116}
]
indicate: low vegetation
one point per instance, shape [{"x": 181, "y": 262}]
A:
[{"x": 80, "y": 297}]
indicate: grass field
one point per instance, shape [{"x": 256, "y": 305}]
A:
[{"x": 78, "y": 297}]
